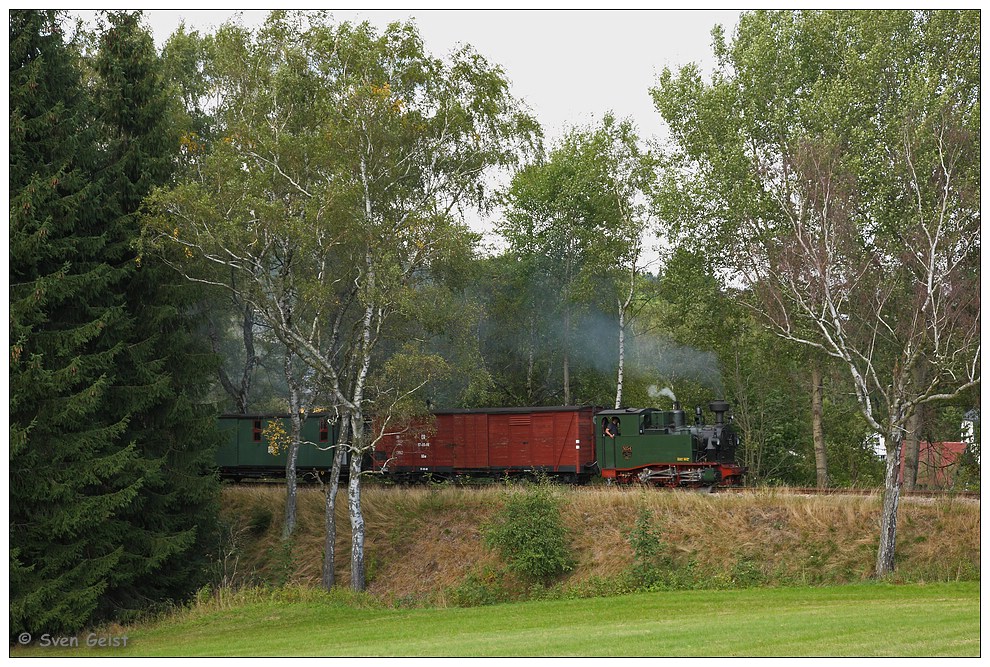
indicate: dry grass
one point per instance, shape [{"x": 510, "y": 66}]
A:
[{"x": 422, "y": 542}]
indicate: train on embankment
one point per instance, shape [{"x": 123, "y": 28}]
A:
[{"x": 574, "y": 444}]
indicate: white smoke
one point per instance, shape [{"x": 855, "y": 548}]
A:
[{"x": 656, "y": 392}]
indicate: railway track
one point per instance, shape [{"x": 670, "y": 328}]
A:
[
  {"x": 838, "y": 491},
  {"x": 783, "y": 490}
]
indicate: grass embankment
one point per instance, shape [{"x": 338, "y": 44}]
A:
[
  {"x": 856, "y": 620},
  {"x": 757, "y": 574},
  {"x": 425, "y": 546}
]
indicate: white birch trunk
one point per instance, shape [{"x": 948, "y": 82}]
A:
[
  {"x": 295, "y": 420},
  {"x": 356, "y": 415},
  {"x": 623, "y": 309},
  {"x": 817, "y": 431},
  {"x": 354, "y": 507},
  {"x": 332, "y": 488},
  {"x": 622, "y": 356},
  {"x": 891, "y": 499},
  {"x": 291, "y": 485}
]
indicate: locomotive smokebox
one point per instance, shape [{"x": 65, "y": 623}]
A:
[{"x": 719, "y": 408}]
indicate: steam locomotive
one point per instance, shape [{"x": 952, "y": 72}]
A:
[
  {"x": 657, "y": 447},
  {"x": 570, "y": 443}
]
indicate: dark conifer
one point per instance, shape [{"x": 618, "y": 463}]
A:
[
  {"x": 166, "y": 369},
  {"x": 112, "y": 500},
  {"x": 72, "y": 472}
]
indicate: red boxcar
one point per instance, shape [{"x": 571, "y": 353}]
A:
[{"x": 492, "y": 442}]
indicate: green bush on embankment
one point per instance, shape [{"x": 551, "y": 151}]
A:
[{"x": 427, "y": 546}]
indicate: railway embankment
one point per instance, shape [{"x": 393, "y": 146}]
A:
[{"x": 433, "y": 546}]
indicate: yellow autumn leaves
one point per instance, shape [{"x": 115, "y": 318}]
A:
[{"x": 278, "y": 438}]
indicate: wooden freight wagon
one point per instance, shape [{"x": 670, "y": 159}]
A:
[{"x": 492, "y": 442}]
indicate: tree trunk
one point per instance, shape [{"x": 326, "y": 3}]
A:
[
  {"x": 912, "y": 449},
  {"x": 622, "y": 356},
  {"x": 912, "y": 440},
  {"x": 817, "y": 431},
  {"x": 332, "y": 488},
  {"x": 567, "y": 361},
  {"x": 356, "y": 414},
  {"x": 531, "y": 362},
  {"x": 295, "y": 420},
  {"x": 891, "y": 498},
  {"x": 354, "y": 507},
  {"x": 250, "y": 357},
  {"x": 623, "y": 307},
  {"x": 291, "y": 487},
  {"x": 241, "y": 393}
]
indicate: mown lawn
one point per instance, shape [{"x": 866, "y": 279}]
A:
[{"x": 856, "y": 620}]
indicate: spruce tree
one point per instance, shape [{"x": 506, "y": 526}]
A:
[
  {"x": 72, "y": 472},
  {"x": 112, "y": 496},
  {"x": 166, "y": 370}
]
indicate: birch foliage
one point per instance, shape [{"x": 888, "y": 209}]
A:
[
  {"x": 834, "y": 157},
  {"x": 331, "y": 191}
]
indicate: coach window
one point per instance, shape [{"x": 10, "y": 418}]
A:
[
  {"x": 256, "y": 431},
  {"x": 324, "y": 430}
]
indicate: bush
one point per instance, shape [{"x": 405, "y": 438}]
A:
[
  {"x": 530, "y": 534},
  {"x": 653, "y": 563},
  {"x": 260, "y": 520},
  {"x": 479, "y": 588}
]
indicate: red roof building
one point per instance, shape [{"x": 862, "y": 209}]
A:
[{"x": 937, "y": 464}]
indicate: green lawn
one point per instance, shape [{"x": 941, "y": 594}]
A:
[{"x": 858, "y": 620}]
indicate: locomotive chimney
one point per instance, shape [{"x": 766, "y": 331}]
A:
[{"x": 719, "y": 408}]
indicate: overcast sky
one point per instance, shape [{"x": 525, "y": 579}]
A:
[{"x": 570, "y": 66}]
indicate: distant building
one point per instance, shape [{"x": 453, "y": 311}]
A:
[{"x": 938, "y": 464}]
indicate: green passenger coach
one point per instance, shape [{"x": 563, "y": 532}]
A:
[{"x": 246, "y": 450}]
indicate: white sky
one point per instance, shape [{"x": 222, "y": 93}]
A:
[{"x": 570, "y": 66}]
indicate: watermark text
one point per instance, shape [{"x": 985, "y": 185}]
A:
[{"x": 91, "y": 640}]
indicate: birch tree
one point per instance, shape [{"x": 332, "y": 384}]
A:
[
  {"x": 343, "y": 160},
  {"x": 836, "y": 156},
  {"x": 579, "y": 216},
  {"x": 629, "y": 179}
]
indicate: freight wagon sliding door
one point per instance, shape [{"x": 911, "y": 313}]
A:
[
  {"x": 520, "y": 437},
  {"x": 467, "y": 437},
  {"x": 498, "y": 441},
  {"x": 567, "y": 438},
  {"x": 451, "y": 429},
  {"x": 544, "y": 438},
  {"x": 508, "y": 441},
  {"x": 476, "y": 442}
]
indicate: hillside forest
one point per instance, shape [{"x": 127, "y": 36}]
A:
[{"x": 279, "y": 220}]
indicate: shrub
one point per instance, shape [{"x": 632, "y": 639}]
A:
[
  {"x": 478, "y": 589},
  {"x": 653, "y": 565},
  {"x": 260, "y": 520},
  {"x": 530, "y": 534}
]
